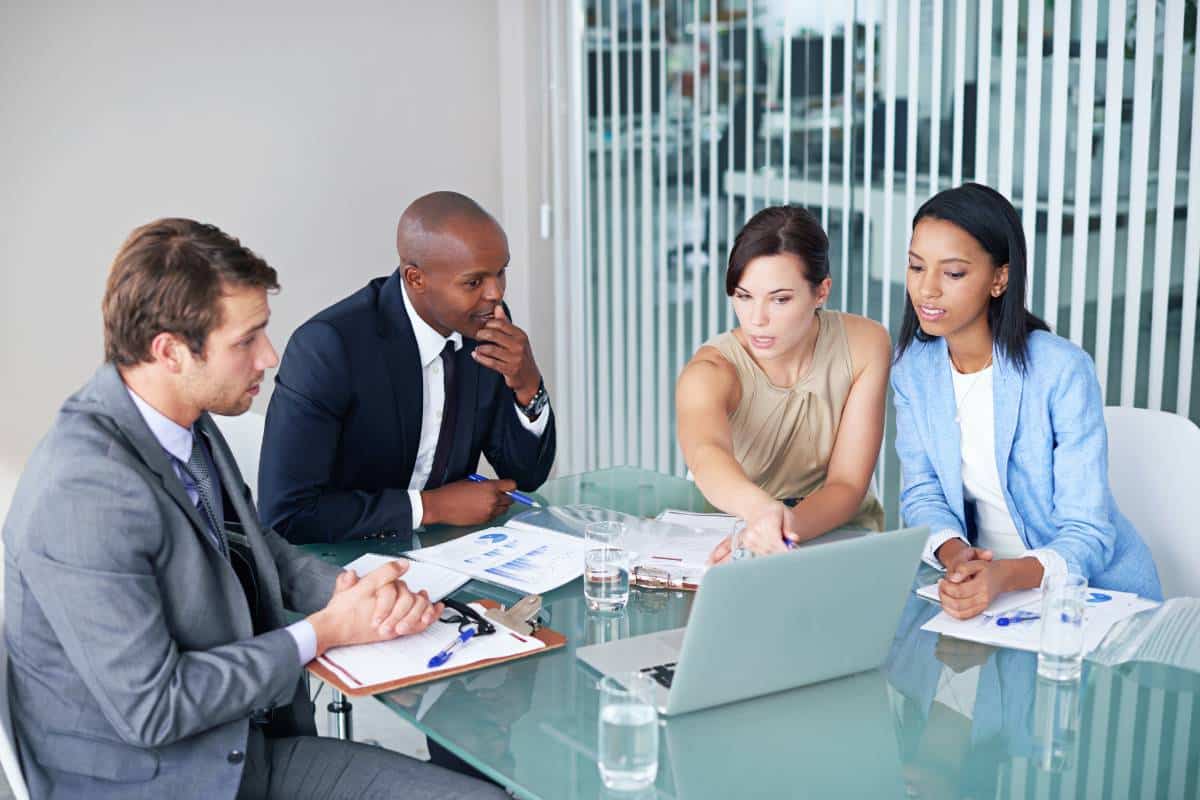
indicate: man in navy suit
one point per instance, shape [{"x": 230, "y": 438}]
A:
[{"x": 384, "y": 401}]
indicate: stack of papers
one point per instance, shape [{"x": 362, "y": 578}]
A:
[
  {"x": 525, "y": 559},
  {"x": 363, "y": 665},
  {"x": 1105, "y": 608},
  {"x": 542, "y": 549}
]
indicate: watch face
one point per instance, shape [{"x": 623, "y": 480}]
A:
[{"x": 540, "y": 398}]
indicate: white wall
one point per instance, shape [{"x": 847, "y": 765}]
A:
[{"x": 301, "y": 127}]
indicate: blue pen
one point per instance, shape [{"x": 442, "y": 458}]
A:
[
  {"x": 1020, "y": 616},
  {"x": 520, "y": 497},
  {"x": 444, "y": 654}
]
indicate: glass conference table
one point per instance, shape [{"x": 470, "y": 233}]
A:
[{"x": 942, "y": 718}]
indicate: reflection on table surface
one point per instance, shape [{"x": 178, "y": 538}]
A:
[{"x": 941, "y": 718}]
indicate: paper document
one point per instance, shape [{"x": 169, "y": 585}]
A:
[
  {"x": 698, "y": 520},
  {"x": 1105, "y": 608},
  {"x": 438, "y": 582},
  {"x": 678, "y": 542},
  {"x": 529, "y": 561},
  {"x": 364, "y": 665},
  {"x": 1001, "y": 603}
]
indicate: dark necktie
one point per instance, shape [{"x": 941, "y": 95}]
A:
[
  {"x": 445, "y": 442},
  {"x": 197, "y": 467}
]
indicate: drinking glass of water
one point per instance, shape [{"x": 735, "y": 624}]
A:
[
  {"x": 605, "y": 566},
  {"x": 1064, "y": 598},
  {"x": 628, "y": 733}
]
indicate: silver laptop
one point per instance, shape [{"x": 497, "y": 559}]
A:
[{"x": 763, "y": 625}]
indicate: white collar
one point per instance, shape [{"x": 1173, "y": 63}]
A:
[
  {"x": 174, "y": 438},
  {"x": 430, "y": 343}
]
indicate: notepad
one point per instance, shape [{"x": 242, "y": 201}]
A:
[
  {"x": 363, "y": 665},
  {"x": 437, "y": 581}
]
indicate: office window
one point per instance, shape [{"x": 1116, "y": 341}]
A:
[{"x": 679, "y": 119}]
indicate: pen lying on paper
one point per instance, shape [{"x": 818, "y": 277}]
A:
[
  {"x": 444, "y": 654},
  {"x": 1014, "y": 618},
  {"x": 520, "y": 497}
]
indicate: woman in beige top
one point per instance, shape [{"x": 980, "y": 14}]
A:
[{"x": 789, "y": 405}]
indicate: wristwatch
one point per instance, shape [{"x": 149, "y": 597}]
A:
[{"x": 540, "y": 399}]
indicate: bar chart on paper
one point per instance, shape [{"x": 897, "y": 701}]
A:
[{"x": 525, "y": 560}]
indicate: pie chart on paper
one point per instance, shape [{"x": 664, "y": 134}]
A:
[{"x": 494, "y": 538}]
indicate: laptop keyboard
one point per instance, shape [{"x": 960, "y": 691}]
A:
[{"x": 663, "y": 673}]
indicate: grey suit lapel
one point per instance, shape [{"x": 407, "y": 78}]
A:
[
  {"x": 114, "y": 396},
  {"x": 231, "y": 478}
]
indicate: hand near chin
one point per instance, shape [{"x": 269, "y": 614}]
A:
[{"x": 505, "y": 348}]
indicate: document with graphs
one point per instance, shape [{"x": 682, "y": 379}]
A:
[{"x": 526, "y": 560}]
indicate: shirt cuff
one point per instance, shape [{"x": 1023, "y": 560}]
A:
[
  {"x": 306, "y": 640},
  {"x": 1052, "y": 563},
  {"x": 935, "y": 541},
  {"x": 538, "y": 426},
  {"x": 418, "y": 508}
]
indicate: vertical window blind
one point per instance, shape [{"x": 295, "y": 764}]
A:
[{"x": 673, "y": 121}]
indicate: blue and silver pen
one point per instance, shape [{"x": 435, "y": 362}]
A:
[
  {"x": 1020, "y": 616},
  {"x": 444, "y": 654},
  {"x": 520, "y": 497}
]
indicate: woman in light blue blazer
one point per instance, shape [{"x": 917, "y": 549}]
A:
[{"x": 999, "y": 423}]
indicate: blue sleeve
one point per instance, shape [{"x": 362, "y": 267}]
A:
[
  {"x": 300, "y": 446},
  {"x": 1084, "y": 534},
  {"x": 922, "y": 501}
]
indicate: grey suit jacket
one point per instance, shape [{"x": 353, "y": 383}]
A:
[{"x": 134, "y": 668}]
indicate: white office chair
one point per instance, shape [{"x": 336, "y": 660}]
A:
[
  {"x": 8, "y": 748},
  {"x": 1154, "y": 469},
  {"x": 244, "y": 433}
]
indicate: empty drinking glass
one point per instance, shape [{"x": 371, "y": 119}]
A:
[
  {"x": 1064, "y": 599},
  {"x": 628, "y": 732}
]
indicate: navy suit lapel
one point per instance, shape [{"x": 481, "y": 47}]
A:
[
  {"x": 941, "y": 411},
  {"x": 399, "y": 347}
]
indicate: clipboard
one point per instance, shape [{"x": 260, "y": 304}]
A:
[{"x": 550, "y": 638}]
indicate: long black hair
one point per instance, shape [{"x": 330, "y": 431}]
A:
[{"x": 992, "y": 221}]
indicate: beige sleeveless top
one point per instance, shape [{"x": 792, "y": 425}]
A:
[{"x": 783, "y": 437}]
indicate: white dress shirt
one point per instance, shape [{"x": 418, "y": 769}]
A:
[
  {"x": 430, "y": 344},
  {"x": 178, "y": 442},
  {"x": 981, "y": 479}
]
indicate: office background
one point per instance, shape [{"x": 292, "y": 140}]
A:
[
  {"x": 302, "y": 128},
  {"x": 621, "y": 143},
  {"x": 678, "y": 120}
]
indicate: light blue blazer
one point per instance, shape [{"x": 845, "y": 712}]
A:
[{"x": 1051, "y": 454}]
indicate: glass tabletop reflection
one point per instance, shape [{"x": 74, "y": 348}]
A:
[{"x": 941, "y": 718}]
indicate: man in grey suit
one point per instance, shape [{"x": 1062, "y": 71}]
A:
[{"x": 150, "y": 654}]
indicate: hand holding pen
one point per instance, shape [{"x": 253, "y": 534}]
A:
[{"x": 520, "y": 497}]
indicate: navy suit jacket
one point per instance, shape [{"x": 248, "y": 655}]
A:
[{"x": 344, "y": 423}]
